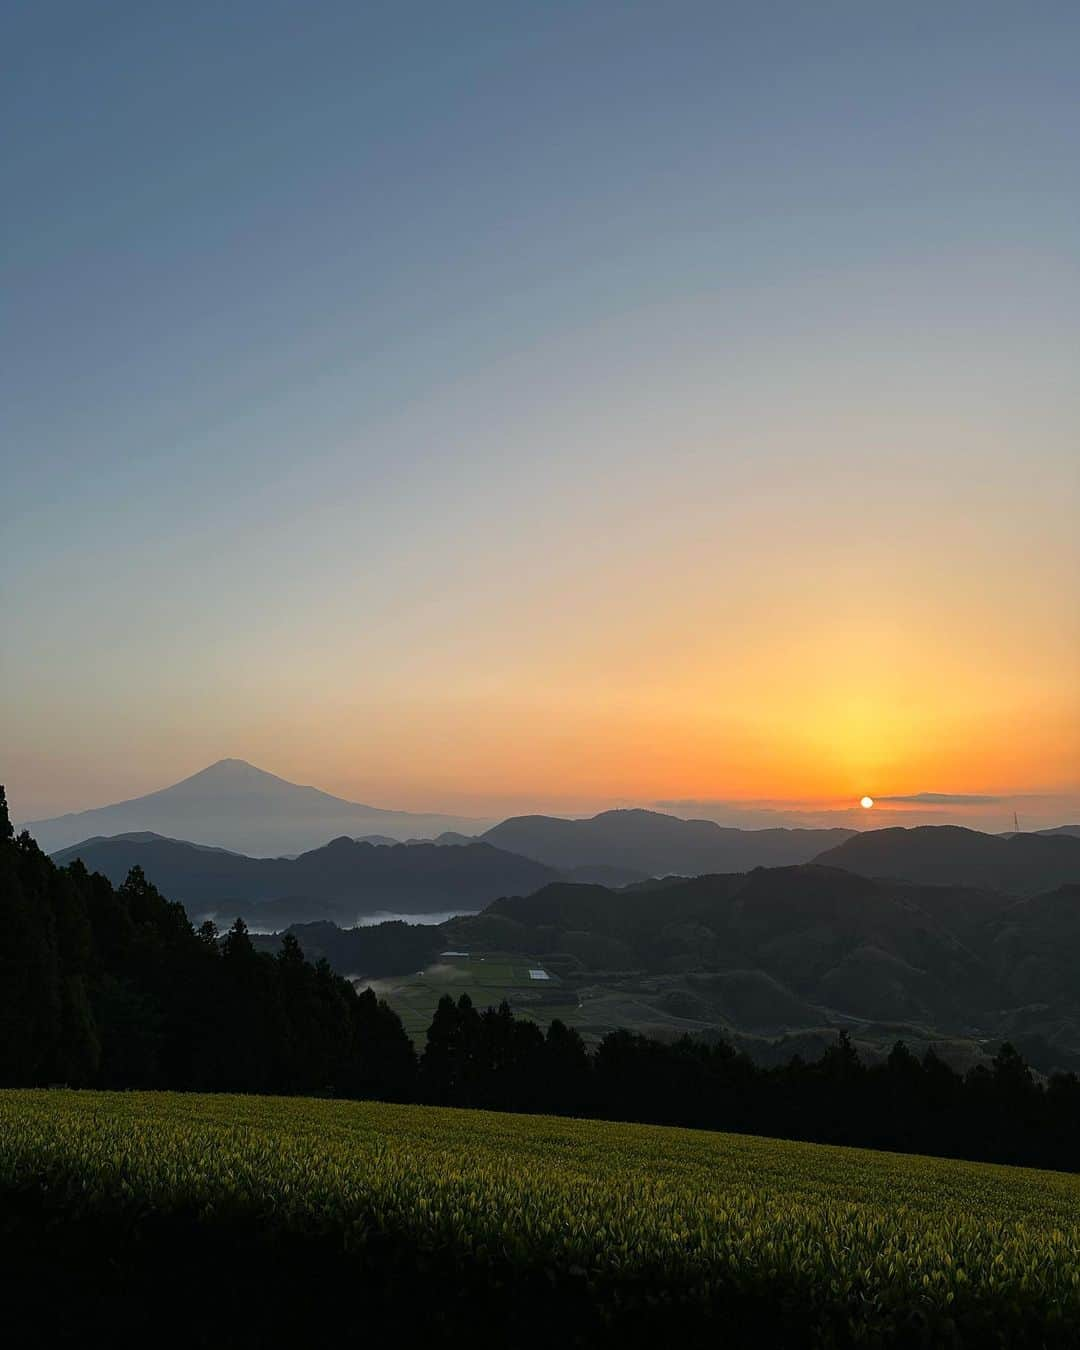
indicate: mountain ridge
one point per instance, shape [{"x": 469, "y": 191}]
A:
[
  {"x": 1018, "y": 864},
  {"x": 656, "y": 843},
  {"x": 344, "y": 879}
]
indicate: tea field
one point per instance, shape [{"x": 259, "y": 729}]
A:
[{"x": 228, "y": 1220}]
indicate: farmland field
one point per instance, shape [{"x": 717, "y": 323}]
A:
[
  {"x": 585, "y": 1231},
  {"x": 662, "y": 1007},
  {"x": 487, "y": 979}
]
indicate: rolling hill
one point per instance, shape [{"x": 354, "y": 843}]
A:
[
  {"x": 949, "y": 855},
  {"x": 790, "y": 952},
  {"x": 822, "y": 937},
  {"x": 489, "y": 1230},
  {"x": 344, "y": 880},
  {"x": 656, "y": 844}
]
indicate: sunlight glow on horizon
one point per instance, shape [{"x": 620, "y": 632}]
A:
[{"x": 497, "y": 413}]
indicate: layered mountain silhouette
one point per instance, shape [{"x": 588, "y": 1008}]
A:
[
  {"x": 949, "y": 855},
  {"x": 656, "y": 844},
  {"x": 775, "y": 950},
  {"x": 343, "y": 881},
  {"x": 236, "y": 806},
  {"x": 825, "y": 937},
  {"x": 781, "y": 951}
]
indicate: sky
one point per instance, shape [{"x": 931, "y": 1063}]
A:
[{"x": 500, "y": 407}]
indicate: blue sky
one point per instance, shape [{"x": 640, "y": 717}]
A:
[{"x": 358, "y": 358}]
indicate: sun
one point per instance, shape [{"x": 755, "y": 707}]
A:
[{"x": 866, "y": 803}]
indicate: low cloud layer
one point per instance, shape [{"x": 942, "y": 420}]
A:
[
  {"x": 945, "y": 799},
  {"x": 980, "y": 811}
]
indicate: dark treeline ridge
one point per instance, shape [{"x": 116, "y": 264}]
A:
[
  {"x": 999, "y": 1114},
  {"x": 112, "y": 987}
]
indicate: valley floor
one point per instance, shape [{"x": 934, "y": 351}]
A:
[{"x": 663, "y": 1007}]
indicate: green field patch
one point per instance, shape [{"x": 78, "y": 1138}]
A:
[{"x": 487, "y": 980}]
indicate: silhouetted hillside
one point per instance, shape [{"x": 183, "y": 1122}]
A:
[
  {"x": 236, "y": 806},
  {"x": 949, "y": 855},
  {"x": 343, "y": 880},
  {"x": 1033, "y": 949},
  {"x": 113, "y": 987},
  {"x": 374, "y": 951},
  {"x": 824, "y": 937},
  {"x": 654, "y": 844}
]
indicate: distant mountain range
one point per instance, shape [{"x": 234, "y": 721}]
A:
[
  {"x": 236, "y": 806},
  {"x": 343, "y": 881},
  {"x": 657, "y": 844},
  {"x": 916, "y": 932},
  {"x": 948, "y": 855},
  {"x": 347, "y": 879}
]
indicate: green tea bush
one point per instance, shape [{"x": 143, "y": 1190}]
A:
[{"x": 515, "y": 1230}]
